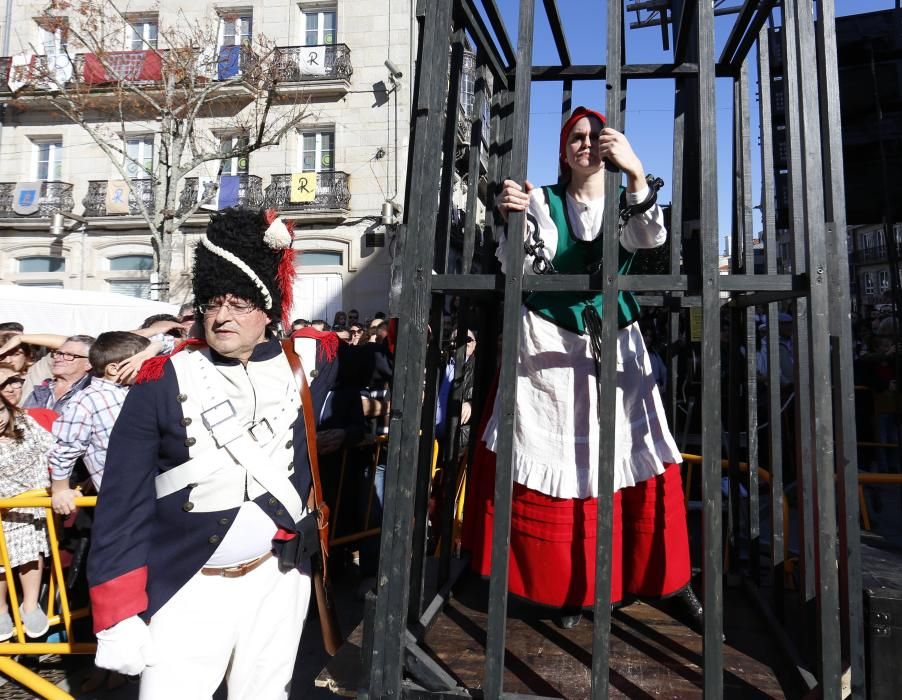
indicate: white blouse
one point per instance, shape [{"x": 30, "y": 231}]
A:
[{"x": 556, "y": 436}]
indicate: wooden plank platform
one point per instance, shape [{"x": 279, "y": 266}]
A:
[{"x": 652, "y": 654}]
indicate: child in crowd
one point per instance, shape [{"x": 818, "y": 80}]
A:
[
  {"x": 83, "y": 430},
  {"x": 23, "y": 467}
]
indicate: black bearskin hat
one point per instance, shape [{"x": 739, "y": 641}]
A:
[{"x": 257, "y": 239}]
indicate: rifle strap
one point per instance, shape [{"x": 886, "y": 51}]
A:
[{"x": 315, "y": 502}]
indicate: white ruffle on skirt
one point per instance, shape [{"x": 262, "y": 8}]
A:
[{"x": 556, "y": 437}]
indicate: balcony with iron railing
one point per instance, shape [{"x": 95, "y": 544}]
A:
[
  {"x": 290, "y": 65},
  {"x": 332, "y": 193},
  {"x": 249, "y": 193},
  {"x": 872, "y": 254},
  {"x": 95, "y": 201},
  {"x": 53, "y": 196},
  {"x": 324, "y": 66}
]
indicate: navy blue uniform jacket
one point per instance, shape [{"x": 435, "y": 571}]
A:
[{"x": 143, "y": 549}]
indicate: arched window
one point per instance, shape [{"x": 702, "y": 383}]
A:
[
  {"x": 42, "y": 263},
  {"x": 137, "y": 263}
]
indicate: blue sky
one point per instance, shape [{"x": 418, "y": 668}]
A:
[{"x": 649, "y": 117}]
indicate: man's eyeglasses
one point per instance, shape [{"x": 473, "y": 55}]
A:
[
  {"x": 237, "y": 308},
  {"x": 66, "y": 356}
]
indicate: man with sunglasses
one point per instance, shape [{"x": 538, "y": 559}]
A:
[
  {"x": 71, "y": 373},
  {"x": 200, "y": 564}
]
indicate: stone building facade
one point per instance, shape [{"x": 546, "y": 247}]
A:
[{"x": 354, "y": 135}]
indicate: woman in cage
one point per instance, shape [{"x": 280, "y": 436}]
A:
[{"x": 556, "y": 440}]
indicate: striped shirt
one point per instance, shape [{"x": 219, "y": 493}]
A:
[{"x": 83, "y": 430}]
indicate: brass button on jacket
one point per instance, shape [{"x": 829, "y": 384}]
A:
[
  {"x": 187, "y": 506},
  {"x": 190, "y": 442}
]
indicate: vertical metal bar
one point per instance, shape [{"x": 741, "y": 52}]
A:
[
  {"x": 801, "y": 376},
  {"x": 735, "y": 363},
  {"x": 513, "y": 285},
  {"x": 443, "y": 222},
  {"x": 417, "y": 602},
  {"x": 819, "y": 320},
  {"x": 477, "y": 131},
  {"x": 403, "y": 449},
  {"x": 423, "y": 483},
  {"x": 676, "y": 236},
  {"x": 751, "y": 337},
  {"x": 566, "y": 101},
  {"x": 607, "y": 369},
  {"x": 775, "y": 426},
  {"x": 712, "y": 540},
  {"x": 844, "y": 392}
]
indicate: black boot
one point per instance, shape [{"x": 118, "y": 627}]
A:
[
  {"x": 568, "y": 619},
  {"x": 688, "y": 608}
]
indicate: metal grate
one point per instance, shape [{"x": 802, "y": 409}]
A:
[{"x": 828, "y": 636}]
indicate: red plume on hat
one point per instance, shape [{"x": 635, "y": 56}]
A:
[
  {"x": 578, "y": 114},
  {"x": 285, "y": 273}
]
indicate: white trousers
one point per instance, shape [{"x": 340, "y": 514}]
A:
[{"x": 245, "y": 629}]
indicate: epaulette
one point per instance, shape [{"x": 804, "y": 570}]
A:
[
  {"x": 152, "y": 368},
  {"x": 328, "y": 342}
]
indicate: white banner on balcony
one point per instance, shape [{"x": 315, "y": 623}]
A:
[
  {"x": 27, "y": 198},
  {"x": 208, "y": 192},
  {"x": 303, "y": 188},
  {"x": 117, "y": 197},
  {"x": 312, "y": 60},
  {"x": 59, "y": 72},
  {"x": 20, "y": 71}
]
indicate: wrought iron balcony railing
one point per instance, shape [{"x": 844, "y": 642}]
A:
[
  {"x": 249, "y": 195},
  {"x": 95, "y": 201},
  {"x": 294, "y": 64},
  {"x": 872, "y": 254},
  {"x": 54, "y": 196},
  {"x": 5, "y": 64},
  {"x": 331, "y": 192}
]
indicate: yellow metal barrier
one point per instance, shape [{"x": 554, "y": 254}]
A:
[
  {"x": 56, "y": 585},
  {"x": 865, "y": 478}
]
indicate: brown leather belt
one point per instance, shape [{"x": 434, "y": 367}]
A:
[{"x": 235, "y": 571}]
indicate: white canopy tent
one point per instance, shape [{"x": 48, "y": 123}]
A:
[{"x": 72, "y": 312}]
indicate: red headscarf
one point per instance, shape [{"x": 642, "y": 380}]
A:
[{"x": 578, "y": 114}]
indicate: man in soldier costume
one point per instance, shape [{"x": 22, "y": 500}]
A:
[{"x": 197, "y": 569}]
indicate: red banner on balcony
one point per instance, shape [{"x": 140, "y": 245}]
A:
[{"x": 122, "y": 65}]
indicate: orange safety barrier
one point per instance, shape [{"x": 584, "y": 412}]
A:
[{"x": 56, "y": 586}]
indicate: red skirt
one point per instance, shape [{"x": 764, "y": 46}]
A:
[{"x": 552, "y": 550}]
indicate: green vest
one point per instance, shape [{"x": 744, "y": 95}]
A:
[{"x": 573, "y": 256}]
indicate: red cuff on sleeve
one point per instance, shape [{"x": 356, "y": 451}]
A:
[
  {"x": 119, "y": 598},
  {"x": 284, "y": 535}
]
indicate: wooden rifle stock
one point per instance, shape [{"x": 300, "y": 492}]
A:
[{"x": 328, "y": 620}]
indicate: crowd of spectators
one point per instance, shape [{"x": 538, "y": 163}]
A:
[{"x": 60, "y": 397}]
